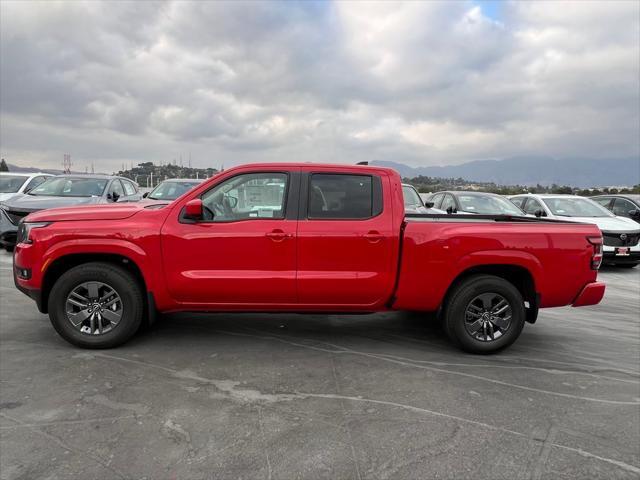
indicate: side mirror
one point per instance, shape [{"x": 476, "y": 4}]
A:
[
  {"x": 540, "y": 213},
  {"x": 451, "y": 210},
  {"x": 113, "y": 196},
  {"x": 145, "y": 194},
  {"x": 634, "y": 213},
  {"x": 429, "y": 204},
  {"x": 193, "y": 209}
]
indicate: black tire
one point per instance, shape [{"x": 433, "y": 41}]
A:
[
  {"x": 9, "y": 248},
  {"x": 460, "y": 298},
  {"x": 627, "y": 265},
  {"x": 125, "y": 285}
]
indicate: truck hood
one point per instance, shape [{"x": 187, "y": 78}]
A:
[
  {"x": 33, "y": 203},
  {"x": 112, "y": 211},
  {"x": 606, "y": 224}
]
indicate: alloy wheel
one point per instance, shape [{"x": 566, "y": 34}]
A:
[
  {"x": 488, "y": 317},
  {"x": 94, "y": 308}
]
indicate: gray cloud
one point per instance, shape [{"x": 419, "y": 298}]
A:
[{"x": 419, "y": 82}]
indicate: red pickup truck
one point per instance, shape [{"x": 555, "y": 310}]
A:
[{"x": 300, "y": 238}]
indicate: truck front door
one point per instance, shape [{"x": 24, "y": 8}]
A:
[{"x": 243, "y": 252}]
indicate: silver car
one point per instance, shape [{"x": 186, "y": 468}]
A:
[
  {"x": 413, "y": 201},
  {"x": 63, "y": 191}
]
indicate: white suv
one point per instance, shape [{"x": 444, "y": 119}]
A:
[
  {"x": 14, "y": 183},
  {"x": 621, "y": 235}
]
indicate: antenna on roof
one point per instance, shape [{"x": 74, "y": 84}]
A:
[{"x": 362, "y": 163}]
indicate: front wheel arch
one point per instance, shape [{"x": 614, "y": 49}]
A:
[{"x": 66, "y": 262}]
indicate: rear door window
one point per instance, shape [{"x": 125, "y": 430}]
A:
[
  {"x": 447, "y": 202},
  {"x": 518, "y": 201},
  {"x": 622, "y": 207},
  {"x": 337, "y": 196},
  {"x": 605, "y": 202},
  {"x": 532, "y": 206},
  {"x": 129, "y": 188},
  {"x": 116, "y": 189},
  {"x": 437, "y": 199}
]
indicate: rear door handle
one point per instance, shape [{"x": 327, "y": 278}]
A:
[
  {"x": 278, "y": 235},
  {"x": 373, "y": 236}
]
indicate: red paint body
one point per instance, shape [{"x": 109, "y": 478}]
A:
[{"x": 295, "y": 264}]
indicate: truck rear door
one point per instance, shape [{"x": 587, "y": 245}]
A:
[{"x": 347, "y": 252}]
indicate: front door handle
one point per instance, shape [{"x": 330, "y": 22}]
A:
[
  {"x": 278, "y": 235},
  {"x": 373, "y": 236}
]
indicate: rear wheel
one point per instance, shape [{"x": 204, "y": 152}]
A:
[
  {"x": 627, "y": 265},
  {"x": 484, "y": 314},
  {"x": 96, "y": 305}
]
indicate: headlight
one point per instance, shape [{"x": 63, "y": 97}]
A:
[{"x": 24, "y": 230}]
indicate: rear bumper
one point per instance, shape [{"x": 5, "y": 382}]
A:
[{"x": 591, "y": 294}]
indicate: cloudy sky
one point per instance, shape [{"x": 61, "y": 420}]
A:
[{"x": 424, "y": 83}]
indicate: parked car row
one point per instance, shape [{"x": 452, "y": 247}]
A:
[
  {"x": 617, "y": 216},
  {"x": 22, "y": 194}
]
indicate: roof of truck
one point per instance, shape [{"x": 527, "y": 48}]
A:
[{"x": 311, "y": 165}]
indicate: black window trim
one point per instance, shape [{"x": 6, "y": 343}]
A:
[
  {"x": 376, "y": 184},
  {"x": 290, "y": 210}
]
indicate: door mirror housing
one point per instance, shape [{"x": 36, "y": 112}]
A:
[
  {"x": 193, "y": 209},
  {"x": 634, "y": 213},
  {"x": 113, "y": 196},
  {"x": 429, "y": 204},
  {"x": 540, "y": 213},
  {"x": 451, "y": 210},
  {"x": 145, "y": 194}
]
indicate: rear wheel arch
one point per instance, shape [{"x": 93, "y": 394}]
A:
[{"x": 518, "y": 276}]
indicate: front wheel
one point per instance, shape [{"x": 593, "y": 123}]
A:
[
  {"x": 96, "y": 305},
  {"x": 484, "y": 314}
]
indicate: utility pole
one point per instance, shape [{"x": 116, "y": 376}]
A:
[{"x": 66, "y": 163}]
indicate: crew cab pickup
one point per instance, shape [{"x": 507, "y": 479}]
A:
[{"x": 300, "y": 238}]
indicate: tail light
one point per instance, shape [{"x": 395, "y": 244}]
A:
[{"x": 596, "y": 258}]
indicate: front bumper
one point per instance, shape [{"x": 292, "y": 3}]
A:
[
  {"x": 34, "y": 294},
  {"x": 591, "y": 294},
  {"x": 611, "y": 258}
]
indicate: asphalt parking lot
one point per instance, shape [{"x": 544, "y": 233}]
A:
[{"x": 290, "y": 396}]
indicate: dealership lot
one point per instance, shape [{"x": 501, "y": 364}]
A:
[{"x": 290, "y": 396}]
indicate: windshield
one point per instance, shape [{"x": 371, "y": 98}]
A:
[
  {"x": 171, "y": 190},
  {"x": 411, "y": 197},
  {"x": 11, "y": 183},
  {"x": 488, "y": 205},
  {"x": 576, "y": 207},
  {"x": 71, "y": 187}
]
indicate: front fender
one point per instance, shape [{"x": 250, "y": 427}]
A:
[{"x": 100, "y": 246}]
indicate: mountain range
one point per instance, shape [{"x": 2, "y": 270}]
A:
[{"x": 576, "y": 172}]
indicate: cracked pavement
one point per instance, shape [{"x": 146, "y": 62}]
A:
[{"x": 323, "y": 396}]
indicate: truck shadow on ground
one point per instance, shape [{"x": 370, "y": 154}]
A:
[{"x": 394, "y": 328}]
